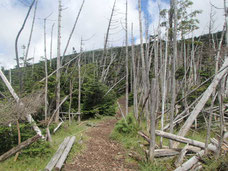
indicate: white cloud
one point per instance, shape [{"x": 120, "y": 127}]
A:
[
  {"x": 92, "y": 24},
  {"x": 203, "y": 18}
]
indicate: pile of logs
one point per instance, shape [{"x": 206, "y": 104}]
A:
[
  {"x": 61, "y": 154},
  {"x": 192, "y": 146}
]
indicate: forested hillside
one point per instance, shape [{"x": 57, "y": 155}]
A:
[{"x": 160, "y": 104}]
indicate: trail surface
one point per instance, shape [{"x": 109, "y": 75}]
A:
[{"x": 102, "y": 153}]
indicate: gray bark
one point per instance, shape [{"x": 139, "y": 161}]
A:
[
  {"x": 58, "y": 73},
  {"x": 57, "y": 155},
  {"x": 206, "y": 95},
  {"x": 65, "y": 153},
  {"x": 19, "y": 147}
]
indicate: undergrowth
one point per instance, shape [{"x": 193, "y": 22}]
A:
[
  {"x": 126, "y": 134},
  {"x": 37, "y": 155}
]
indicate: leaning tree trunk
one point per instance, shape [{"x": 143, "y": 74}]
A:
[
  {"x": 206, "y": 95},
  {"x": 28, "y": 116},
  {"x": 16, "y": 43},
  {"x": 30, "y": 36}
]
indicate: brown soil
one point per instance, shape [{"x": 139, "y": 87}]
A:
[{"x": 102, "y": 153}]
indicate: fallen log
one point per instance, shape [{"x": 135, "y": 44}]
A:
[
  {"x": 145, "y": 137},
  {"x": 184, "y": 140},
  {"x": 57, "y": 155},
  {"x": 65, "y": 153},
  {"x": 180, "y": 159},
  {"x": 19, "y": 147},
  {"x": 165, "y": 152},
  {"x": 190, "y": 163},
  {"x": 206, "y": 95}
]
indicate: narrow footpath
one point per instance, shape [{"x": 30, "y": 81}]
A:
[{"x": 102, "y": 153}]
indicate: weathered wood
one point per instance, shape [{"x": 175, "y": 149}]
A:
[
  {"x": 58, "y": 127},
  {"x": 180, "y": 159},
  {"x": 57, "y": 155},
  {"x": 152, "y": 118},
  {"x": 19, "y": 147},
  {"x": 165, "y": 152},
  {"x": 206, "y": 95},
  {"x": 184, "y": 140},
  {"x": 17, "y": 99},
  {"x": 121, "y": 112},
  {"x": 65, "y": 153},
  {"x": 144, "y": 136},
  {"x": 190, "y": 163}
]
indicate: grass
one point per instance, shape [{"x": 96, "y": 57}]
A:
[
  {"x": 132, "y": 141},
  {"x": 38, "y": 162}
]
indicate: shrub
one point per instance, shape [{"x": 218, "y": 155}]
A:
[
  {"x": 94, "y": 100},
  {"x": 128, "y": 127}
]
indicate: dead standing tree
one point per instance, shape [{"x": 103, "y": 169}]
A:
[
  {"x": 16, "y": 43},
  {"x": 104, "y": 54},
  {"x": 127, "y": 56},
  {"x": 31, "y": 32},
  {"x": 58, "y": 73}
]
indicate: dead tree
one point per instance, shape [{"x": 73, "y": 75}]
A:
[
  {"x": 75, "y": 23},
  {"x": 174, "y": 34},
  {"x": 104, "y": 54},
  {"x": 19, "y": 147},
  {"x": 58, "y": 73},
  {"x": 17, "y": 99},
  {"x": 16, "y": 43},
  {"x": 152, "y": 118},
  {"x": 19, "y": 33},
  {"x": 135, "y": 91},
  {"x": 206, "y": 95},
  {"x": 30, "y": 36},
  {"x": 52, "y": 28},
  {"x": 79, "y": 85},
  {"x": 127, "y": 56}
]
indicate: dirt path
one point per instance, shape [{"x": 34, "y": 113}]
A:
[{"x": 102, "y": 153}]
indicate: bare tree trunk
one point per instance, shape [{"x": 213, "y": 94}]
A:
[
  {"x": 19, "y": 139},
  {"x": 79, "y": 86},
  {"x": 127, "y": 56},
  {"x": 144, "y": 77},
  {"x": 104, "y": 55},
  {"x": 75, "y": 23},
  {"x": 15, "y": 96},
  {"x": 30, "y": 36},
  {"x": 52, "y": 28},
  {"x": 221, "y": 111},
  {"x": 209, "y": 124},
  {"x": 71, "y": 92},
  {"x": 46, "y": 74},
  {"x": 19, "y": 33},
  {"x": 206, "y": 95},
  {"x": 58, "y": 73},
  {"x": 10, "y": 76},
  {"x": 135, "y": 91},
  {"x": 152, "y": 118},
  {"x": 174, "y": 34},
  {"x": 164, "y": 87},
  {"x": 16, "y": 43}
]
